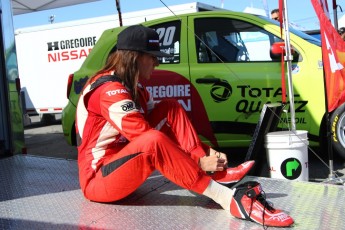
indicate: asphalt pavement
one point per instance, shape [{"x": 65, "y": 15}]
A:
[{"x": 47, "y": 140}]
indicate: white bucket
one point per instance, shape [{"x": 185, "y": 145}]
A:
[{"x": 287, "y": 154}]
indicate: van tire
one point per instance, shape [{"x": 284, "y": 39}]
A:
[
  {"x": 338, "y": 130},
  {"x": 48, "y": 119}
]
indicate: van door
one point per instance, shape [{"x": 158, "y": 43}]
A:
[{"x": 233, "y": 72}]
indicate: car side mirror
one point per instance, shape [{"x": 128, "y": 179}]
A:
[{"x": 278, "y": 48}]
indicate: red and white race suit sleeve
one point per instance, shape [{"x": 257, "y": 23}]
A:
[{"x": 119, "y": 109}]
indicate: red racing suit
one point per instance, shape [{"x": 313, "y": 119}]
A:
[{"x": 121, "y": 144}]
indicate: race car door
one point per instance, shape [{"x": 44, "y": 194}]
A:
[{"x": 233, "y": 73}]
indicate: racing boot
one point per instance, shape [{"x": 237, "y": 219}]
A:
[
  {"x": 249, "y": 203},
  {"x": 233, "y": 175}
]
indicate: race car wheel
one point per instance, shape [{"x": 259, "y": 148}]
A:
[{"x": 338, "y": 130}]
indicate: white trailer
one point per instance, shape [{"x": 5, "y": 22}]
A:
[{"x": 48, "y": 54}]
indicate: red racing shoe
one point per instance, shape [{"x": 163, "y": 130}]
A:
[
  {"x": 233, "y": 175},
  {"x": 249, "y": 203}
]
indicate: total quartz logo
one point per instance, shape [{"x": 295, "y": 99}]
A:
[{"x": 221, "y": 91}]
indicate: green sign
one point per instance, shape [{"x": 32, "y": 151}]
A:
[{"x": 291, "y": 168}]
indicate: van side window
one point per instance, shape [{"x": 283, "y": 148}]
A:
[
  {"x": 169, "y": 39},
  {"x": 230, "y": 40}
]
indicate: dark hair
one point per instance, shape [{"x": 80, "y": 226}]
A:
[
  {"x": 341, "y": 30},
  {"x": 275, "y": 11},
  {"x": 125, "y": 65}
]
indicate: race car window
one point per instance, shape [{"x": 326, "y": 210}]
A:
[
  {"x": 169, "y": 41},
  {"x": 230, "y": 40},
  {"x": 169, "y": 38}
]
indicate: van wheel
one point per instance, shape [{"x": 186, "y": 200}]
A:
[
  {"x": 338, "y": 130},
  {"x": 48, "y": 119}
]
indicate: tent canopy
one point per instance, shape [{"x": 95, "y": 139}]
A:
[{"x": 28, "y": 6}]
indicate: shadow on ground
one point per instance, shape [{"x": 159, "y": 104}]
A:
[{"x": 48, "y": 141}]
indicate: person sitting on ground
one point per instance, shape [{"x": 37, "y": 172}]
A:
[{"x": 124, "y": 136}]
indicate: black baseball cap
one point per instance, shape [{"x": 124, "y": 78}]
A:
[
  {"x": 341, "y": 30},
  {"x": 140, "y": 38}
]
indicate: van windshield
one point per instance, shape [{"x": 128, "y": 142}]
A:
[{"x": 299, "y": 33}]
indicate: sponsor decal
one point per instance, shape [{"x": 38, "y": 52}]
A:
[
  {"x": 291, "y": 168},
  {"x": 253, "y": 102},
  {"x": 71, "y": 49},
  {"x": 295, "y": 69},
  {"x": 181, "y": 92},
  {"x": 167, "y": 84},
  {"x": 116, "y": 91},
  {"x": 68, "y": 55},
  {"x": 79, "y": 84},
  {"x": 221, "y": 91},
  {"x": 333, "y": 128},
  {"x": 128, "y": 106}
]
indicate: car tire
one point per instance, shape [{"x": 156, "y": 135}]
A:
[
  {"x": 338, "y": 130},
  {"x": 323, "y": 134},
  {"x": 74, "y": 136}
]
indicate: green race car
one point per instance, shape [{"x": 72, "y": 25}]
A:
[{"x": 222, "y": 72}]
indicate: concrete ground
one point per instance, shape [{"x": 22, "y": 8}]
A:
[{"x": 48, "y": 141}]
